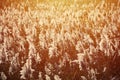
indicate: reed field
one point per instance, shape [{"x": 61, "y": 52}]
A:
[{"x": 59, "y": 39}]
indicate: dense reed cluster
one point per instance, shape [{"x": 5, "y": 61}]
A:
[{"x": 58, "y": 40}]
